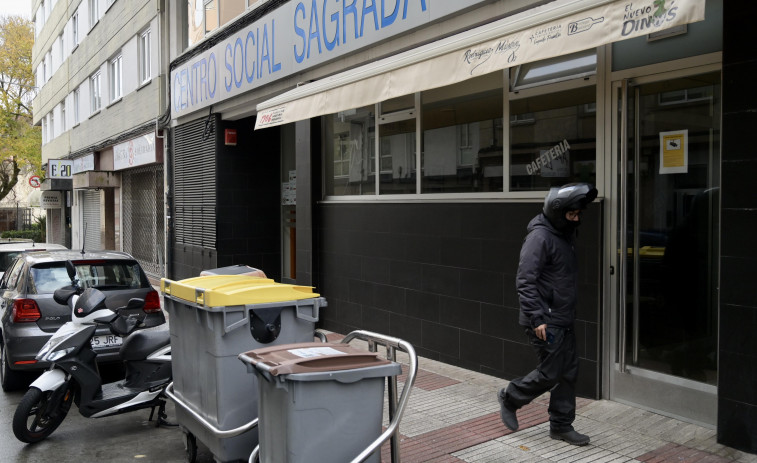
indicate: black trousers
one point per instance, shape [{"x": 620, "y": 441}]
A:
[{"x": 557, "y": 371}]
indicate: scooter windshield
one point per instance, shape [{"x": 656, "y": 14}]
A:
[{"x": 90, "y": 300}]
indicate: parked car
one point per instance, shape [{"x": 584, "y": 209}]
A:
[
  {"x": 10, "y": 248},
  {"x": 29, "y": 315}
]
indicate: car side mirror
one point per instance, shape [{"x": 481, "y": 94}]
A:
[{"x": 61, "y": 295}]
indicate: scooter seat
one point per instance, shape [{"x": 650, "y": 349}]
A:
[{"x": 140, "y": 344}]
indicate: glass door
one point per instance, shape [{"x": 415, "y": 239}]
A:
[{"x": 666, "y": 234}]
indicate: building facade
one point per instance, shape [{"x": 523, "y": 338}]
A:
[
  {"x": 361, "y": 147},
  {"x": 100, "y": 100}
]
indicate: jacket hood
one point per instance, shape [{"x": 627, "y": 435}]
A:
[{"x": 541, "y": 221}]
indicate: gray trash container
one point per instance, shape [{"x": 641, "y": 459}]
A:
[
  {"x": 318, "y": 402},
  {"x": 211, "y": 320}
]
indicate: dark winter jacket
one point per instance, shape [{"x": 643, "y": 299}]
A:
[{"x": 547, "y": 280}]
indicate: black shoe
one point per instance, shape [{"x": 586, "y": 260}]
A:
[
  {"x": 571, "y": 437},
  {"x": 507, "y": 415}
]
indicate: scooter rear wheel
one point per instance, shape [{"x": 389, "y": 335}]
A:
[{"x": 35, "y": 418}]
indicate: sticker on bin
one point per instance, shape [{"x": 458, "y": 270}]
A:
[{"x": 315, "y": 352}]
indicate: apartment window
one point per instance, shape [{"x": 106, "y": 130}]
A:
[
  {"x": 77, "y": 96},
  {"x": 51, "y": 126},
  {"x": 205, "y": 16},
  {"x": 60, "y": 49},
  {"x": 62, "y": 116},
  {"x": 116, "y": 78},
  {"x": 94, "y": 12},
  {"x": 43, "y": 75},
  {"x": 75, "y": 30},
  {"x": 44, "y": 130},
  {"x": 145, "y": 70},
  {"x": 95, "y": 92}
]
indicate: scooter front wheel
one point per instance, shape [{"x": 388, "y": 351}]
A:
[{"x": 37, "y": 416}]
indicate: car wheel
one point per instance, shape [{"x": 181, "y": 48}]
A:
[
  {"x": 9, "y": 379},
  {"x": 36, "y": 418}
]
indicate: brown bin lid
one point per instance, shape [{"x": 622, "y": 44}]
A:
[{"x": 313, "y": 357}]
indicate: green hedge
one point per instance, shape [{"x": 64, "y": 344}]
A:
[{"x": 37, "y": 235}]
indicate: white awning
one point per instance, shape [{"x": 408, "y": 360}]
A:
[{"x": 554, "y": 29}]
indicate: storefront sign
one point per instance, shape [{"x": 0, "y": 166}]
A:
[
  {"x": 293, "y": 38},
  {"x": 566, "y": 27},
  {"x": 84, "y": 163},
  {"x": 60, "y": 168},
  {"x": 51, "y": 200},
  {"x": 135, "y": 152}
]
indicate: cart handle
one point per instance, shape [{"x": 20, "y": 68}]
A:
[
  {"x": 391, "y": 344},
  {"x": 217, "y": 432}
]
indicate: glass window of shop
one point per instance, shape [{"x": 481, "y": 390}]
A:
[
  {"x": 553, "y": 139},
  {"x": 462, "y": 136},
  {"x": 459, "y": 132},
  {"x": 351, "y": 152},
  {"x": 396, "y": 156}
]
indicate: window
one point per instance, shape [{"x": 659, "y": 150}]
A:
[
  {"x": 95, "y": 92},
  {"x": 44, "y": 130},
  {"x": 462, "y": 136},
  {"x": 61, "y": 57},
  {"x": 62, "y": 116},
  {"x": 145, "y": 68},
  {"x": 561, "y": 68},
  {"x": 77, "y": 96},
  {"x": 396, "y": 162},
  {"x": 205, "y": 16},
  {"x": 94, "y": 13},
  {"x": 558, "y": 145},
  {"x": 116, "y": 78},
  {"x": 351, "y": 148},
  {"x": 43, "y": 75},
  {"x": 454, "y": 140},
  {"x": 51, "y": 126},
  {"x": 75, "y": 30}
]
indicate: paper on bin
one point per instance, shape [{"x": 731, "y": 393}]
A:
[{"x": 315, "y": 352}]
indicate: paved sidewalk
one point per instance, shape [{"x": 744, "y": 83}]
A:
[{"x": 453, "y": 416}]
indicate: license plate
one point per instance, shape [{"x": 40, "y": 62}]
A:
[{"x": 110, "y": 340}]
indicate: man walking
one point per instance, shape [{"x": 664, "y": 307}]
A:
[{"x": 547, "y": 283}]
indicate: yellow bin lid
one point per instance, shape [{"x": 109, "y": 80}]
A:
[{"x": 230, "y": 290}]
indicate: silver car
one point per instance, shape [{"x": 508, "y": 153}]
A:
[
  {"x": 11, "y": 248},
  {"x": 29, "y": 315}
]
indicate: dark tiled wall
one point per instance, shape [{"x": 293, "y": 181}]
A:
[
  {"x": 247, "y": 206},
  {"x": 249, "y": 198},
  {"x": 737, "y": 369},
  {"x": 442, "y": 276}
]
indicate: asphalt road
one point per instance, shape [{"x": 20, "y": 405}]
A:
[{"x": 123, "y": 438}]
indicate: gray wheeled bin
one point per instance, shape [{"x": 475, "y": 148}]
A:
[
  {"x": 318, "y": 402},
  {"x": 211, "y": 320}
]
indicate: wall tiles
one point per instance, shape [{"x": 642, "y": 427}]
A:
[
  {"x": 737, "y": 425},
  {"x": 451, "y": 284}
]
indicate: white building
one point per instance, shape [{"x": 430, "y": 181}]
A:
[{"x": 101, "y": 94}]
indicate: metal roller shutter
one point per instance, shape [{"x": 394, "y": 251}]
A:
[
  {"x": 195, "y": 183},
  {"x": 90, "y": 206},
  {"x": 143, "y": 231}
]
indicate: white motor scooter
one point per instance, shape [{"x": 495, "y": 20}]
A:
[{"x": 74, "y": 376}]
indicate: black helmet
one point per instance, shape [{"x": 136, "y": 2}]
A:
[{"x": 570, "y": 197}]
